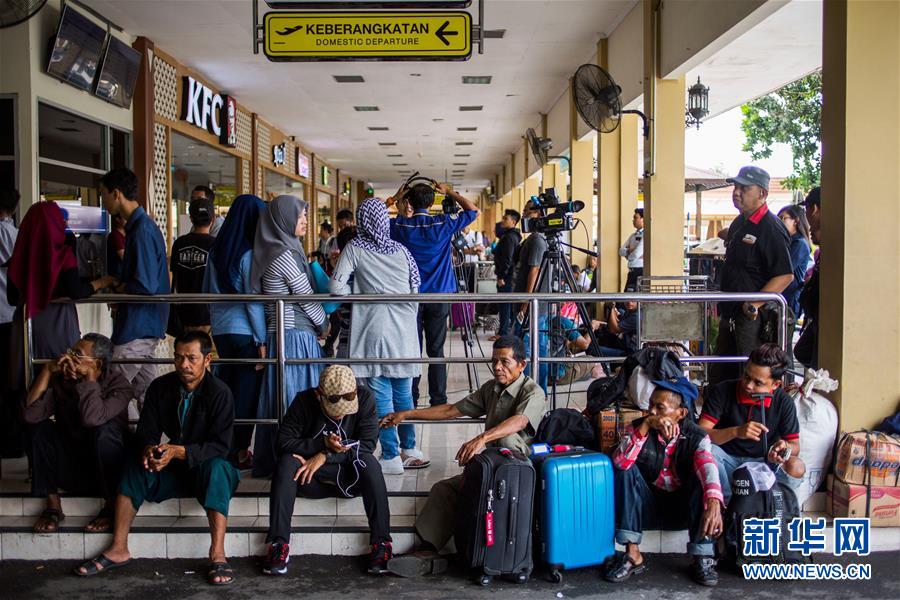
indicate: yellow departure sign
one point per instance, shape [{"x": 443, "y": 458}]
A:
[{"x": 350, "y": 35}]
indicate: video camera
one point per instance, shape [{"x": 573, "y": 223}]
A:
[{"x": 555, "y": 217}]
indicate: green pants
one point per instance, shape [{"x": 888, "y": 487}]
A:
[
  {"x": 213, "y": 482},
  {"x": 435, "y": 523}
]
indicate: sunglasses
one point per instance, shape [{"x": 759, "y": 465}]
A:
[{"x": 337, "y": 398}]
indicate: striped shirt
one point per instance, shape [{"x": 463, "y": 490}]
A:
[
  {"x": 705, "y": 468},
  {"x": 283, "y": 276}
]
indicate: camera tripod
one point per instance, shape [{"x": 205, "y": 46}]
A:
[
  {"x": 556, "y": 270},
  {"x": 467, "y": 331}
]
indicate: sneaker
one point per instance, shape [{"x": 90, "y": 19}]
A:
[
  {"x": 703, "y": 571},
  {"x": 277, "y": 561},
  {"x": 382, "y": 552},
  {"x": 393, "y": 466}
]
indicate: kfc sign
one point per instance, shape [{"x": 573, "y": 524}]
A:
[{"x": 208, "y": 110}]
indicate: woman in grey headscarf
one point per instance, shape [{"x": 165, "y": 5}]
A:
[{"x": 280, "y": 267}]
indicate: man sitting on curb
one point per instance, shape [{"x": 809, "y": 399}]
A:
[
  {"x": 730, "y": 418},
  {"x": 82, "y": 450},
  {"x": 665, "y": 476},
  {"x": 327, "y": 444},
  {"x": 513, "y": 405},
  {"x": 195, "y": 411}
]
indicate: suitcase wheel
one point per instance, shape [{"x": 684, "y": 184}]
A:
[
  {"x": 555, "y": 576},
  {"x": 485, "y": 580},
  {"x": 522, "y": 578}
]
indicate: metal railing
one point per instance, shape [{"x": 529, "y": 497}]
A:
[{"x": 533, "y": 300}]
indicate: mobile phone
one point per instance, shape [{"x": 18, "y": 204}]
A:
[
  {"x": 349, "y": 443},
  {"x": 158, "y": 454},
  {"x": 785, "y": 453}
]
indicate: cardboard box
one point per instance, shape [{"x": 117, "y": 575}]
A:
[
  {"x": 884, "y": 459},
  {"x": 849, "y": 500},
  {"x": 606, "y": 426}
]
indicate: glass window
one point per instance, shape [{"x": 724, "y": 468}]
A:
[
  {"x": 69, "y": 138},
  {"x": 119, "y": 149},
  {"x": 323, "y": 208},
  {"x": 195, "y": 163},
  {"x": 277, "y": 184},
  {"x": 7, "y": 127}
]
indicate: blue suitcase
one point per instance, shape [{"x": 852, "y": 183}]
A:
[{"x": 576, "y": 513}]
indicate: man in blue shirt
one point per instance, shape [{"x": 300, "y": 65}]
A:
[
  {"x": 137, "y": 328},
  {"x": 428, "y": 239}
]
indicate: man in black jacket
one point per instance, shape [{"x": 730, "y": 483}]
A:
[
  {"x": 196, "y": 413},
  {"x": 326, "y": 443},
  {"x": 666, "y": 477},
  {"x": 504, "y": 265}
]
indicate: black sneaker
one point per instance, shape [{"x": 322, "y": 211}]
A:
[
  {"x": 703, "y": 571},
  {"x": 277, "y": 561},
  {"x": 382, "y": 552}
]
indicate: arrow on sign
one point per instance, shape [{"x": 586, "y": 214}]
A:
[{"x": 442, "y": 32}]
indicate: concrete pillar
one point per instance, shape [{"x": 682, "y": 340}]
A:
[
  {"x": 628, "y": 186},
  {"x": 582, "y": 178},
  {"x": 664, "y": 190},
  {"x": 859, "y": 339},
  {"x": 532, "y": 188}
]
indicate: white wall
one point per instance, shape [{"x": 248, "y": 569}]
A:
[
  {"x": 626, "y": 54},
  {"x": 558, "y": 123}
]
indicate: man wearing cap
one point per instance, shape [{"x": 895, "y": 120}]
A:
[
  {"x": 190, "y": 253},
  {"x": 666, "y": 477},
  {"x": 204, "y": 193},
  {"x": 757, "y": 259},
  {"x": 326, "y": 443}
]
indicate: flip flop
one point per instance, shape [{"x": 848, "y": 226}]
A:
[
  {"x": 220, "y": 569},
  {"x": 53, "y": 516},
  {"x": 90, "y": 566}
]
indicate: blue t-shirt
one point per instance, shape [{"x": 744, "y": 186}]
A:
[
  {"x": 144, "y": 271},
  {"x": 429, "y": 240}
]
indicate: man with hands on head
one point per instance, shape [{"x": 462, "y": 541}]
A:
[
  {"x": 732, "y": 416},
  {"x": 326, "y": 444},
  {"x": 195, "y": 411},
  {"x": 513, "y": 405},
  {"x": 82, "y": 449},
  {"x": 666, "y": 477}
]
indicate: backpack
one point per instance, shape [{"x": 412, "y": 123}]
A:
[
  {"x": 656, "y": 362},
  {"x": 566, "y": 426}
]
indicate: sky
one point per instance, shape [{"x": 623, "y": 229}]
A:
[{"x": 718, "y": 143}]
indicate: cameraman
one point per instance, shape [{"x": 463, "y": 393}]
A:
[{"x": 429, "y": 240}]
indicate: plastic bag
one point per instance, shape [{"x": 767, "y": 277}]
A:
[{"x": 818, "y": 429}]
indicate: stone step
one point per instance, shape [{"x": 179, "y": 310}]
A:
[{"x": 186, "y": 537}]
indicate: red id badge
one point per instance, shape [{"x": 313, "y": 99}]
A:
[{"x": 489, "y": 528}]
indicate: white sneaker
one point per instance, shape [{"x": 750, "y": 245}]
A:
[{"x": 393, "y": 466}]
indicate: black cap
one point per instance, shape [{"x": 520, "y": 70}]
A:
[
  {"x": 201, "y": 208},
  {"x": 751, "y": 176}
]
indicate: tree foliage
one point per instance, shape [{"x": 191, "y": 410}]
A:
[{"x": 791, "y": 115}]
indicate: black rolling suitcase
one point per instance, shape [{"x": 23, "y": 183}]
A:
[{"x": 494, "y": 515}]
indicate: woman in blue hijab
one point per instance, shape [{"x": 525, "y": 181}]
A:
[{"x": 239, "y": 330}]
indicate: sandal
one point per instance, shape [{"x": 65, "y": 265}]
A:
[
  {"x": 411, "y": 462},
  {"x": 102, "y": 523},
  {"x": 623, "y": 567},
  {"x": 49, "y": 521},
  {"x": 220, "y": 569},
  {"x": 98, "y": 565}
]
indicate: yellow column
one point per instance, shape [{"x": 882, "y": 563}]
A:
[
  {"x": 532, "y": 188},
  {"x": 859, "y": 331},
  {"x": 628, "y": 186},
  {"x": 548, "y": 176},
  {"x": 582, "y": 178},
  {"x": 664, "y": 190}
]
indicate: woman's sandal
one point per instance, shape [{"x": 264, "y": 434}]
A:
[
  {"x": 220, "y": 569},
  {"x": 49, "y": 521},
  {"x": 623, "y": 568},
  {"x": 98, "y": 565},
  {"x": 96, "y": 525},
  {"x": 411, "y": 462}
]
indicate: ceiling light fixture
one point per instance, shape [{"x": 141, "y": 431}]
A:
[
  {"x": 470, "y": 108},
  {"x": 467, "y": 129},
  {"x": 349, "y": 78},
  {"x": 378, "y": 129},
  {"x": 463, "y": 143},
  {"x": 387, "y": 143},
  {"x": 365, "y": 108},
  {"x": 462, "y": 155},
  {"x": 496, "y": 34},
  {"x": 476, "y": 79}
]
